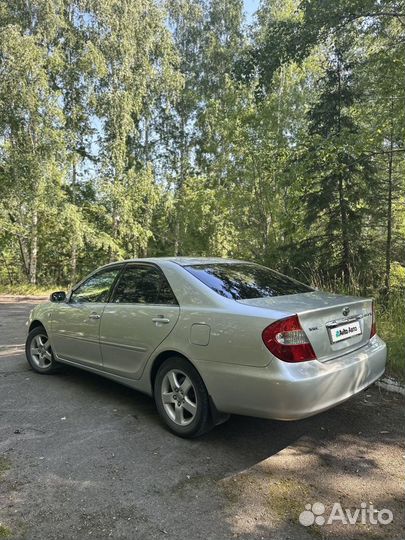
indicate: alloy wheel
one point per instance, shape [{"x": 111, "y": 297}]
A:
[
  {"x": 179, "y": 397},
  {"x": 40, "y": 349}
]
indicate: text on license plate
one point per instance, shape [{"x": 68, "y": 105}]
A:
[{"x": 345, "y": 331}]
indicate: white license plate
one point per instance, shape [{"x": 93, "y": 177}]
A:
[{"x": 345, "y": 331}]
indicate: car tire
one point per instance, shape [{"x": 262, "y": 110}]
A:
[
  {"x": 181, "y": 398},
  {"x": 39, "y": 353}
]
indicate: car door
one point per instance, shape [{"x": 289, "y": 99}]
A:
[
  {"x": 76, "y": 322},
  {"x": 141, "y": 313}
]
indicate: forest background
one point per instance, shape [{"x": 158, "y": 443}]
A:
[{"x": 269, "y": 131}]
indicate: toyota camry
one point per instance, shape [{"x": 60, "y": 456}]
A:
[{"x": 210, "y": 337}]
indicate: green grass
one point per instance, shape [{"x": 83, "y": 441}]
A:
[
  {"x": 5, "y": 532},
  {"x": 4, "y": 465},
  {"x": 281, "y": 497},
  {"x": 391, "y": 328},
  {"x": 27, "y": 289}
]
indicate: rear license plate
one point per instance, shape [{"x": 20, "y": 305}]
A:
[{"x": 345, "y": 331}]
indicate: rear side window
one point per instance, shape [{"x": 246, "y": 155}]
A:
[
  {"x": 143, "y": 285},
  {"x": 241, "y": 281}
]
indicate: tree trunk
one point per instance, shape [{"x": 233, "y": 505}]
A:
[
  {"x": 267, "y": 221},
  {"x": 180, "y": 184},
  {"x": 389, "y": 219},
  {"x": 10, "y": 275},
  {"x": 73, "y": 263},
  {"x": 148, "y": 210},
  {"x": 345, "y": 234},
  {"x": 73, "y": 255},
  {"x": 22, "y": 243},
  {"x": 34, "y": 247},
  {"x": 176, "y": 237},
  {"x": 115, "y": 227},
  {"x": 25, "y": 256},
  {"x": 342, "y": 202}
]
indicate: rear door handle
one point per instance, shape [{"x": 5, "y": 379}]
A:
[
  {"x": 94, "y": 316},
  {"x": 161, "y": 320}
]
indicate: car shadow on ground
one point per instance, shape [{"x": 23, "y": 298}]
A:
[{"x": 242, "y": 441}]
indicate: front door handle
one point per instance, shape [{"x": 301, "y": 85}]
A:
[
  {"x": 94, "y": 316},
  {"x": 161, "y": 320}
]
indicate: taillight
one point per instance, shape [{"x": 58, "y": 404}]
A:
[
  {"x": 288, "y": 341},
  {"x": 373, "y": 321}
]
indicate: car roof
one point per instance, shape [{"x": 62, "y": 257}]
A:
[{"x": 183, "y": 261}]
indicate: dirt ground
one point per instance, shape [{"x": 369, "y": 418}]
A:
[{"x": 82, "y": 457}]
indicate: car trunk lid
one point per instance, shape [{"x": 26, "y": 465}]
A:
[{"x": 334, "y": 324}]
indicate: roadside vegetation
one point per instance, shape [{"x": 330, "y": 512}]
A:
[
  {"x": 27, "y": 289},
  {"x": 183, "y": 127},
  {"x": 391, "y": 327}
]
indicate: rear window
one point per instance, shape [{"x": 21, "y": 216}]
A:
[{"x": 241, "y": 281}]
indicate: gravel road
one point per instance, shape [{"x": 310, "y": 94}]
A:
[{"x": 82, "y": 457}]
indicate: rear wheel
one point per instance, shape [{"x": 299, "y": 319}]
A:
[
  {"x": 181, "y": 398},
  {"x": 39, "y": 353}
]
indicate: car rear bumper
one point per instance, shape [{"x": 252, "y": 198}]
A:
[{"x": 286, "y": 391}]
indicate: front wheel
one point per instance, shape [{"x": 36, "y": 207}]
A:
[
  {"x": 181, "y": 398},
  {"x": 39, "y": 353}
]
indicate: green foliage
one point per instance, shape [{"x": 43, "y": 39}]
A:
[
  {"x": 391, "y": 327},
  {"x": 339, "y": 178},
  {"x": 147, "y": 127},
  {"x": 27, "y": 289}
]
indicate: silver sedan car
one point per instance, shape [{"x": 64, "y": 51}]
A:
[{"x": 209, "y": 337}]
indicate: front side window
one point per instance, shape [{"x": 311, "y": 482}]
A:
[
  {"x": 96, "y": 288},
  {"x": 143, "y": 285},
  {"x": 241, "y": 281}
]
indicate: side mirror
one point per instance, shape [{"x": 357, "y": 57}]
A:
[{"x": 58, "y": 296}]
